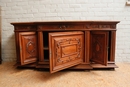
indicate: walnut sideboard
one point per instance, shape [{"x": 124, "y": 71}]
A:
[{"x": 59, "y": 45}]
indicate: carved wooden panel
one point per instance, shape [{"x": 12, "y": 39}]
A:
[
  {"x": 66, "y": 50},
  {"x": 99, "y": 43},
  {"x": 28, "y": 47}
]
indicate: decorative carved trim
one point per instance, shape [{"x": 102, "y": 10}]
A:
[
  {"x": 94, "y": 26},
  {"x": 87, "y": 26},
  {"x": 113, "y": 26},
  {"x": 104, "y": 26},
  {"x": 63, "y": 26},
  {"x": 25, "y": 28},
  {"x": 40, "y": 27},
  {"x": 31, "y": 47},
  {"x": 100, "y": 26},
  {"x": 70, "y": 41}
]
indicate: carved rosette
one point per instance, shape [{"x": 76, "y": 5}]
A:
[{"x": 63, "y": 53}]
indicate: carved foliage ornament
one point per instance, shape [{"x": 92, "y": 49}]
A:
[
  {"x": 25, "y": 27},
  {"x": 75, "y": 42},
  {"x": 100, "y": 26}
]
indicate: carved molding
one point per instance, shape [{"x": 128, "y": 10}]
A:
[
  {"x": 63, "y": 26},
  {"x": 100, "y": 26},
  {"x": 87, "y": 26},
  {"x": 25, "y": 28},
  {"x": 94, "y": 26}
]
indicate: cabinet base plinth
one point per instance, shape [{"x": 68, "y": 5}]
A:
[{"x": 103, "y": 66}]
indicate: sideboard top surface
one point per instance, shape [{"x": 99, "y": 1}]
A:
[{"x": 50, "y": 22}]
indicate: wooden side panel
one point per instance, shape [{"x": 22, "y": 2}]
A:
[
  {"x": 66, "y": 50},
  {"x": 28, "y": 47},
  {"x": 99, "y": 43},
  {"x": 17, "y": 47},
  {"x": 0, "y": 38}
]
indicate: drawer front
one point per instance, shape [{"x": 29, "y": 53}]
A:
[{"x": 61, "y": 27}]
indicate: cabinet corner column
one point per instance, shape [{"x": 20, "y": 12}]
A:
[
  {"x": 17, "y": 47},
  {"x": 40, "y": 46},
  {"x": 87, "y": 46},
  {"x": 113, "y": 44}
]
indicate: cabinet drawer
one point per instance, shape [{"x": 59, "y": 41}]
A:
[{"x": 61, "y": 27}]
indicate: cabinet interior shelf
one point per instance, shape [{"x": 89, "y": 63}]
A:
[{"x": 46, "y": 48}]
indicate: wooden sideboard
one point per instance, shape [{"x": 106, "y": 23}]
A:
[{"x": 59, "y": 45}]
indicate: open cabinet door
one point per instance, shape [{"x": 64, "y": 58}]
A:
[
  {"x": 65, "y": 49},
  {"x": 99, "y": 47},
  {"x": 28, "y": 47}
]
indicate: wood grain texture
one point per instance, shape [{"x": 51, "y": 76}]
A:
[
  {"x": 0, "y": 37},
  {"x": 61, "y": 44},
  {"x": 12, "y": 77},
  {"x": 28, "y": 47},
  {"x": 66, "y": 50},
  {"x": 99, "y": 44}
]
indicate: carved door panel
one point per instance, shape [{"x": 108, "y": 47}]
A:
[
  {"x": 28, "y": 47},
  {"x": 99, "y": 43},
  {"x": 65, "y": 49}
]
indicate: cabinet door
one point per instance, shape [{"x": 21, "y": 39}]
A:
[
  {"x": 28, "y": 47},
  {"x": 65, "y": 49},
  {"x": 99, "y": 43}
]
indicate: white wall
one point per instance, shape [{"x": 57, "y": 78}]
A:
[{"x": 41, "y": 10}]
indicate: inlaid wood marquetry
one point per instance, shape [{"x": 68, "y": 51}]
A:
[{"x": 99, "y": 41}]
